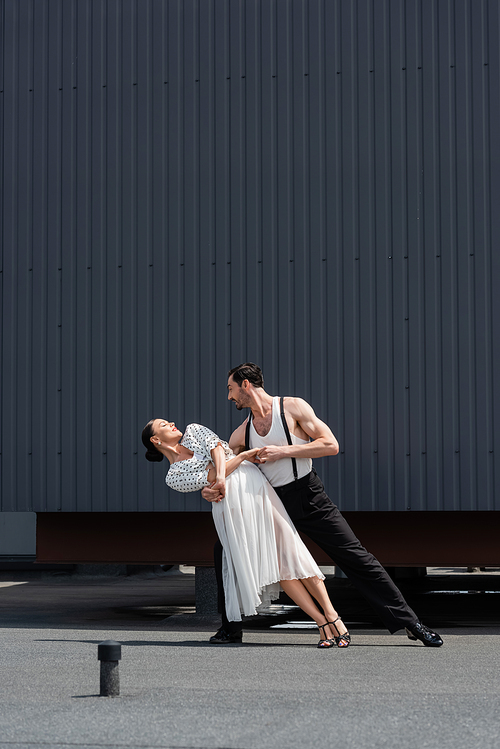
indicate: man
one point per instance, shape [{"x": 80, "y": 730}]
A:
[{"x": 290, "y": 435}]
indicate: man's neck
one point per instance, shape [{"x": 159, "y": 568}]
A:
[{"x": 262, "y": 403}]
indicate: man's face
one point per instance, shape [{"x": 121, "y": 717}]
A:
[{"x": 238, "y": 393}]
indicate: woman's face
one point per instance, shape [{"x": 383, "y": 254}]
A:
[{"x": 165, "y": 432}]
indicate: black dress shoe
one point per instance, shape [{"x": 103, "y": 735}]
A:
[
  {"x": 419, "y": 631},
  {"x": 221, "y": 637}
]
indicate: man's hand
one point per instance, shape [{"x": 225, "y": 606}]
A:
[
  {"x": 271, "y": 453},
  {"x": 210, "y": 495}
]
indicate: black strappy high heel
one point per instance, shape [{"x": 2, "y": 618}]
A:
[
  {"x": 346, "y": 637},
  {"x": 327, "y": 642}
]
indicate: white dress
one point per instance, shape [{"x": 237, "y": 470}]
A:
[{"x": 260, "y": 543}]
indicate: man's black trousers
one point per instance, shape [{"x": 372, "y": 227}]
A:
[{"x": 314, "y": 513}]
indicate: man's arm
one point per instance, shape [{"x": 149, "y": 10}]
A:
[
  {"x": 237, "y": 439},
  {"x": 302, "y": 414}
]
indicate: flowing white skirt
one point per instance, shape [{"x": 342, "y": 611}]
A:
[{"x": 260, "y": 543}]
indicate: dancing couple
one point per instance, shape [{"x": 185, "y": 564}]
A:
[{"x": 263, "y": 489}]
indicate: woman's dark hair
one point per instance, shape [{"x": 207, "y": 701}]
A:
[
  {"x": 247, "y": 371},
  {"x": 152, "y": 453}
]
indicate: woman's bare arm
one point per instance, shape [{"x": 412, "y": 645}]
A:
[
  {"x": 219, "y": 469},
  {"x": 222, "y": 467}
]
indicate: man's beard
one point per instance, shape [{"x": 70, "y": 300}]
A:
[{"x": 239, "y": 405}]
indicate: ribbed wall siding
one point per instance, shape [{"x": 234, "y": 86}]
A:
[{"x": 309, "y": 184}]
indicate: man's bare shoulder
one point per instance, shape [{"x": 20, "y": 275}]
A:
[
  {"x": 303, "y": 414},
  {"x": 237, "y": 438},
  {"x": 242, "y": 427},
  {"x": 297, "y": 407}
]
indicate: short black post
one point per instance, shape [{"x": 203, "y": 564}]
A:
[{"x": 109, "y": 653}]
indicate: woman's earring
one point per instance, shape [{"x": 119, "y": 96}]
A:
[{"x": 159, "y": 442}]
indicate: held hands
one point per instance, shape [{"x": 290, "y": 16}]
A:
[
  {"x": 219, "y": 488},
  {"x": 250, "y": 455},
  {"x": 270, "y": 454},
  {"x": 210, "y": 495},
  {"x": 264, "y": 454}
]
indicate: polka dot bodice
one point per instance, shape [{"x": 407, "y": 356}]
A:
[{"x": 191, "y": 475}]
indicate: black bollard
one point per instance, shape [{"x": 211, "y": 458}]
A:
[{"x": 109, "y": 653}]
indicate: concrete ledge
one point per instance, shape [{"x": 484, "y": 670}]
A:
[{"x": 398, "y": 539}]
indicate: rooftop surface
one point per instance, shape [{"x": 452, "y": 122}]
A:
[{"x": 276, "y": 689}]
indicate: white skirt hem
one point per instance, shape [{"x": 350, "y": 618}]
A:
[{"x": 261, "y": 545}]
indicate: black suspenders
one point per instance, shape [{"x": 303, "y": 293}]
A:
[
  {"x": 289, "y": 439},
  {"x": 247, "y": 432},
  {"x": 287, "y": 435}
]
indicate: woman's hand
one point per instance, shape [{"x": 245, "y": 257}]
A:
[
  {"x": 251, "y": 455},
  {"x": 219, "y": 485}
]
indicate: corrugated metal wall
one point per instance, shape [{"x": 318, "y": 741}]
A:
[{"x": 309, "y": 184}]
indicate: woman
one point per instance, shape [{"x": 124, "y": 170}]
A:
[{"x": 262, "y": 549}]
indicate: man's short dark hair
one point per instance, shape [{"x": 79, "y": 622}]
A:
[{"x": 247, "y": 371}]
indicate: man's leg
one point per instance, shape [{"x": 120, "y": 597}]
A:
[
  {"x": 233, "y": 629},
  {"x": 313, "y": 513},
  {"x": 363, "y": 570},
  {"x": 370, "y": 578}
]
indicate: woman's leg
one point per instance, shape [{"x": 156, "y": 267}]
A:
[
  {"x": 302, "y": 591},
  {"x": 300, "y": 595},
  {"x": 317, "y": 589}
]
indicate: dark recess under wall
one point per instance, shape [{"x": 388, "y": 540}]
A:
[{"x": 398, "y": 539}]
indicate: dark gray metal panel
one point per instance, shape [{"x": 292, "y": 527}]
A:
[{"x": 189, "y": 184}]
